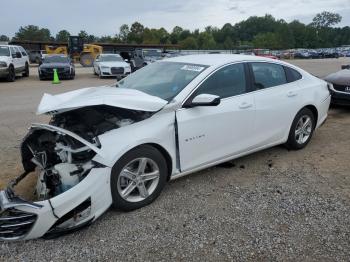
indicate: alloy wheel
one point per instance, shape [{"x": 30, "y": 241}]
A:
[
  {"x": 303, "y": 129},
  {"x": 138, "y": 179}
]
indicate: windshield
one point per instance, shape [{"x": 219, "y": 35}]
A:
[
  {"x": 162, "y": 79},
  {"x": 152, "y": 52},
  {"x": 56, "y": 59},
  {"x": 110, "y": 58},
  {"x": 4, "y": 51}
]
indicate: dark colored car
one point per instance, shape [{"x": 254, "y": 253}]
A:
[
  {"x": 62, "y": 63},
  {"x": 340, "y": 89}
]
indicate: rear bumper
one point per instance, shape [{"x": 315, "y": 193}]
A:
[{"x": 323, "y": 111}]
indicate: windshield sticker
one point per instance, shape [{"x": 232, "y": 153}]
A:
[{"x": 192, "y": 68}]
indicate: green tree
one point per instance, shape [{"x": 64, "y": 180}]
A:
[
  {"x": 326, "y": 19},
  {"x": 175, "y": 34},
  {"x": 123, "y": 33},
  {"x": 4, "y": 38},
  {"x": 266, "y": 40},
  {"x": 33, "y": 33},
  {"x": 84, "y": 35},
  {"x": 206, "y": 40},
  {"x": 62, "y": 36},
  {"x": 228, "y": 43},
  {"x": 136, "y": 33},
  {"x": 189, "y": 43}
]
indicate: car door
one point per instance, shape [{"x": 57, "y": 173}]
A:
[
  {"x": 15, "y": 60},
  {"x": 210, "y": 133},
  {"x": 24, "y": 55},
  {"x": 276, "y": 102}
]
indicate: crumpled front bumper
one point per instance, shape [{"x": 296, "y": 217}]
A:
[{"x": 20, "y": 219}]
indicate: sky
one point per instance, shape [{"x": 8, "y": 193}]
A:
[{"x": 104, "y": 17}]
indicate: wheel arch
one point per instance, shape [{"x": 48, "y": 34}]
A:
[
  {"x": 166, "y": 155},
  {"x": 314, "y": 111}
]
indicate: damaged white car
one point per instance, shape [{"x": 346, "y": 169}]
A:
[{"x": 119, "y": 145}]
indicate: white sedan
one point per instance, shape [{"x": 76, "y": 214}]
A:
[
  {"x": 111, "y": 65},
  {"x": 119, "y": 145}
]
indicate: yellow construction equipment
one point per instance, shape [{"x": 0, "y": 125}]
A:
[
  {"x": 56, "y": 50},
  {"x": 89, "y": 53}
]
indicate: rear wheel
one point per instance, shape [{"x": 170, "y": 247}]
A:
[
  {"x": 301, "y": 130},
  {"x": 11, "y": 77},
  {"x": 86, "y": 60},
  {"x": 138, "y": 178}
]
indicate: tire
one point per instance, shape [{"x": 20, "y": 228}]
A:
[
  {"x": 11, "y": 77},
  {"x": 300, "y": 132},
  {"x": 86, "y": 60},
  {"x": 155, "y": 162},
  {"x": 26, "y": 71}
]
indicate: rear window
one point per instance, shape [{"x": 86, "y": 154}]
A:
[{"x": 292, "y": 74}]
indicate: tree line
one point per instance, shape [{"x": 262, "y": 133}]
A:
[{"x": 254, "y": 32}]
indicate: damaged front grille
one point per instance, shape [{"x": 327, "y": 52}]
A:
[{"x": 15, "y": 224}]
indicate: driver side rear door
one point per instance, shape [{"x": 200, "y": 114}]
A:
[{"x": 210, "y": 133}]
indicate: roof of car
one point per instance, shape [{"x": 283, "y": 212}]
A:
[{"x": 215, "y": 59}]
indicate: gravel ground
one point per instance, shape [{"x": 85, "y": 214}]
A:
[{"x": 274, "y": 205}]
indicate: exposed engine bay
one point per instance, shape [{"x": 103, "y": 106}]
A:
[{"x": 62, "y": 161}]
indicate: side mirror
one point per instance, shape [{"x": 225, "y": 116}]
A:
[
  {"x": 204, "y": 100},
  {"x": 18, "y": 55}
]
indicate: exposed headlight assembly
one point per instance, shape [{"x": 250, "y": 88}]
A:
[{"x": 104, "y": 67}]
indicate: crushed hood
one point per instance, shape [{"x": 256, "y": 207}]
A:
[{"x": 104, "y": 95}]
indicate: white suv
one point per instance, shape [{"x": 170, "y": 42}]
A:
[{"x": 13, "y": 60}]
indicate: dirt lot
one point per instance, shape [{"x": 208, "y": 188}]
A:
[{"x": 272, "y": 205}]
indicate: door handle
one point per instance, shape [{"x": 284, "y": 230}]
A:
[
  {"x": 245, "y": 105},
  {"x": 291, "y": 94}
]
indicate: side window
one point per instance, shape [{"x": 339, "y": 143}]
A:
[
  {"x": 23, "y": 52},
  {"x": 226, "y": 82},
  {"x": 292, "y": 74},
  {"x": 13, "y": 52},
  {"x": 18, "y": 51},
  {"x": 268, "y": 75}
]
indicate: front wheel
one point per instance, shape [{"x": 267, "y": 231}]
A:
[
  {"x": 301, "y": 130},
  {"x": 138, "y": 178},
  {"x": 26, "y": 71},
  {"x": 11, "y": 77}
]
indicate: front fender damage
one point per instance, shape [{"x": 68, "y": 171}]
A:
[
  {"x": 72, "y": 174},
  {"x": 72, "y": 190}
]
